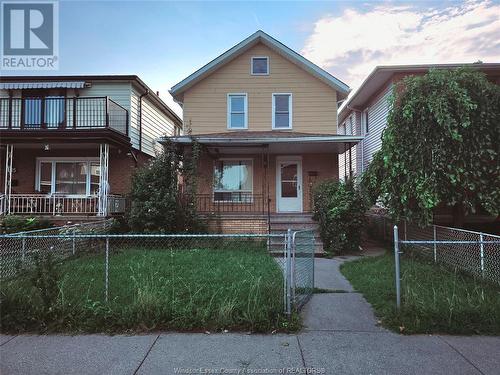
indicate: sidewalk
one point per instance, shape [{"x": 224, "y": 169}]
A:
[{"x": 341, "y": 337}]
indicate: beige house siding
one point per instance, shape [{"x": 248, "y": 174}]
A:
[{"x": 314, "y": 103}]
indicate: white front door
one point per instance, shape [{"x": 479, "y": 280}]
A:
[{"x": 289, "y": 184}]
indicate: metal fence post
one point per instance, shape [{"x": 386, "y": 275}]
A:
[
  {"x": 289, "y": 273},
  {"x": 397, "y": 271},
  {"x": 107, "y": 270},
  {"x": 74, "y": 241},
  {"x": 481, "y": 244},
  {"x": 23, "y": 253},
  {"x": 435, "y": 244}
]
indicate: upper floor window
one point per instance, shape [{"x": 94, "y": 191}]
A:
[
  {"x": 237, "y": 111},
  {"x": 282, "y": 111},
  {"x": 260, "y": 66}
]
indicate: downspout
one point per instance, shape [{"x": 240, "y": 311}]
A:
[{"x": 140, "y": 117}]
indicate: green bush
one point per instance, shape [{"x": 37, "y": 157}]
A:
[
  {"x": 14, "y": 224},
  {"x": 340, "y": 210},
  {"x": 157, "y": 204}
]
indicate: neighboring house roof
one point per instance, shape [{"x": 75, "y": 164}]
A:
[
  {"x": 252, "y": 40},
  {"x": 379, "y": 77},
  {"x": 24, "y": 82}
]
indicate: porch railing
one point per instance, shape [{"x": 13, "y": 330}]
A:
[
  {"x": 231, "y": 203},
  {"x": 59, "y": 113},
  {"x": 56, "y": 204}
]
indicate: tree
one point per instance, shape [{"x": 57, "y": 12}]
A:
[
  {"x": 441, "y": 146},
  {"x": 157, "y": 204},
  {"x": 154, "y": 195}
]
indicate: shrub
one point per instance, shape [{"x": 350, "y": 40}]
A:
[
  {"x": 156, "y": 202},
  {"x": 340, "y": 210},
  {"x": 14, "y": 224}
]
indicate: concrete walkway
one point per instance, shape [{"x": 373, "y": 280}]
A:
[{"x": 341, "y": 337}]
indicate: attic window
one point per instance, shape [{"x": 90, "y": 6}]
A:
[{"x": 260, "y": 66}]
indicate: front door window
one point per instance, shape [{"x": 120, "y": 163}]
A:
[{"x": 289, "y": 189}]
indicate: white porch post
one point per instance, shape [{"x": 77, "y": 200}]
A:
[
  {"x": 103, "y": 180},
  {"x": 8, "y": 176}
]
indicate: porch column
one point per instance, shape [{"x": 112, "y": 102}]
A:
[
  {"x": 9, "y": 152},
  {"x": 103, "y": 180}
]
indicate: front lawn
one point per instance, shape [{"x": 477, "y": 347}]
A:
[
  {"x": 151, "y": 289},
  {"x": 434, "y": 299}
]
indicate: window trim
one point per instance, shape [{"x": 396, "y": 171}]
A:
[
  {"x": 245, "y": 108},
  {"x": 290, "y": 110},
  {"x": 366, "y": 122},
  {"x": 230, "y": 191},
  {"x": 54, "y": 161},
  {"x": 251, "y": 65}
]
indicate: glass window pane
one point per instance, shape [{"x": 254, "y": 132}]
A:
[
  {"x": 259, "y": 65},
  {"x": 45, "y": 177},
  {"x": 281, "y": 120},
  {"x": 71, "y": 178},
  {"x": 237, "y": 104},
  {"x": 94, "y": 178},
  {"x": 289, "y": 172},
  {"x": 54, "y": 111},
  {"x": 288, "y": 189},
  {"x": 237, "y": 120},
  {"x": 233, "y": 176},
  {"x": 281, "y": 103}
]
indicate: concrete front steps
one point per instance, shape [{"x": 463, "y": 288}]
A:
[{"x": 281, "y": 222}]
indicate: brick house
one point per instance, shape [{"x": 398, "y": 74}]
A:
[
  {"x": 70, "y": 144},
  {"x": 266, "y": 119}
]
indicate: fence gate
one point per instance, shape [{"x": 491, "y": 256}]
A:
[{"x": 299, "y": 269}]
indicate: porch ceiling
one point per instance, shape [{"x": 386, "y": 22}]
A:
[{"x": 274, "y": 142}]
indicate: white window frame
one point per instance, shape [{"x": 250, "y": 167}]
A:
[
  {"x": 290, "y": 110},
  {"x": 245, "y": 107},
  {"x": 251, "y": 65},
  {"x": 365, "y": 123},
  {"x": 53, "y": 161},
  {"x": 232, "y": 191}
]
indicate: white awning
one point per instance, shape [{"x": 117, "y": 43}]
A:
[{"x": 42, "y": 85}]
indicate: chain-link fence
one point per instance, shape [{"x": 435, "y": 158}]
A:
[
  {"x": 473, "y": 253},
  {"x": 213, "y": 274},
  {"x": 18, "y": 251}
]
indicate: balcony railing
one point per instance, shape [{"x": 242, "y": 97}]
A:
[
  {"x": 58, "y": 205},
  {"x": 231, "y": 203},
  {"x": 59, "y": 113}
]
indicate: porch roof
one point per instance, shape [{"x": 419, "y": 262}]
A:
[{"x": 274, "y": 141}]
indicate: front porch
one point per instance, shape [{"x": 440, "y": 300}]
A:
[
  {"x": 254, "y": 182},
  {"x": 55, "y": 180}
]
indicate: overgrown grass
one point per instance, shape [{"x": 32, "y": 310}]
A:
[
  {"x": 434, "y": 299},
  {"x": 154, "y": 289}
]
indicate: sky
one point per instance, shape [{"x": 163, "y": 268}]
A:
[{"x": 165, "y": 41}]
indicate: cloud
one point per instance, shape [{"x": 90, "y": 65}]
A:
[{"x": 352, "y": 44}]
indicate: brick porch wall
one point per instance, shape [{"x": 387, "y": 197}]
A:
[{"x": 315, "y": 168}]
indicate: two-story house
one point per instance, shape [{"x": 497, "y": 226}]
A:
[
  {"x": 70, "y": 144},
  {"x": 266, "y": 119},
  {"x": 365, "y": 112}
]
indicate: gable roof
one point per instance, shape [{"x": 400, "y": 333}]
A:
[
  {"x": 382, "y": 75},
  {"x": 260, "y": 37}
]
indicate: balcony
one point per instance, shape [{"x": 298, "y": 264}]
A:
[{"x": 62, "y": 114}]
